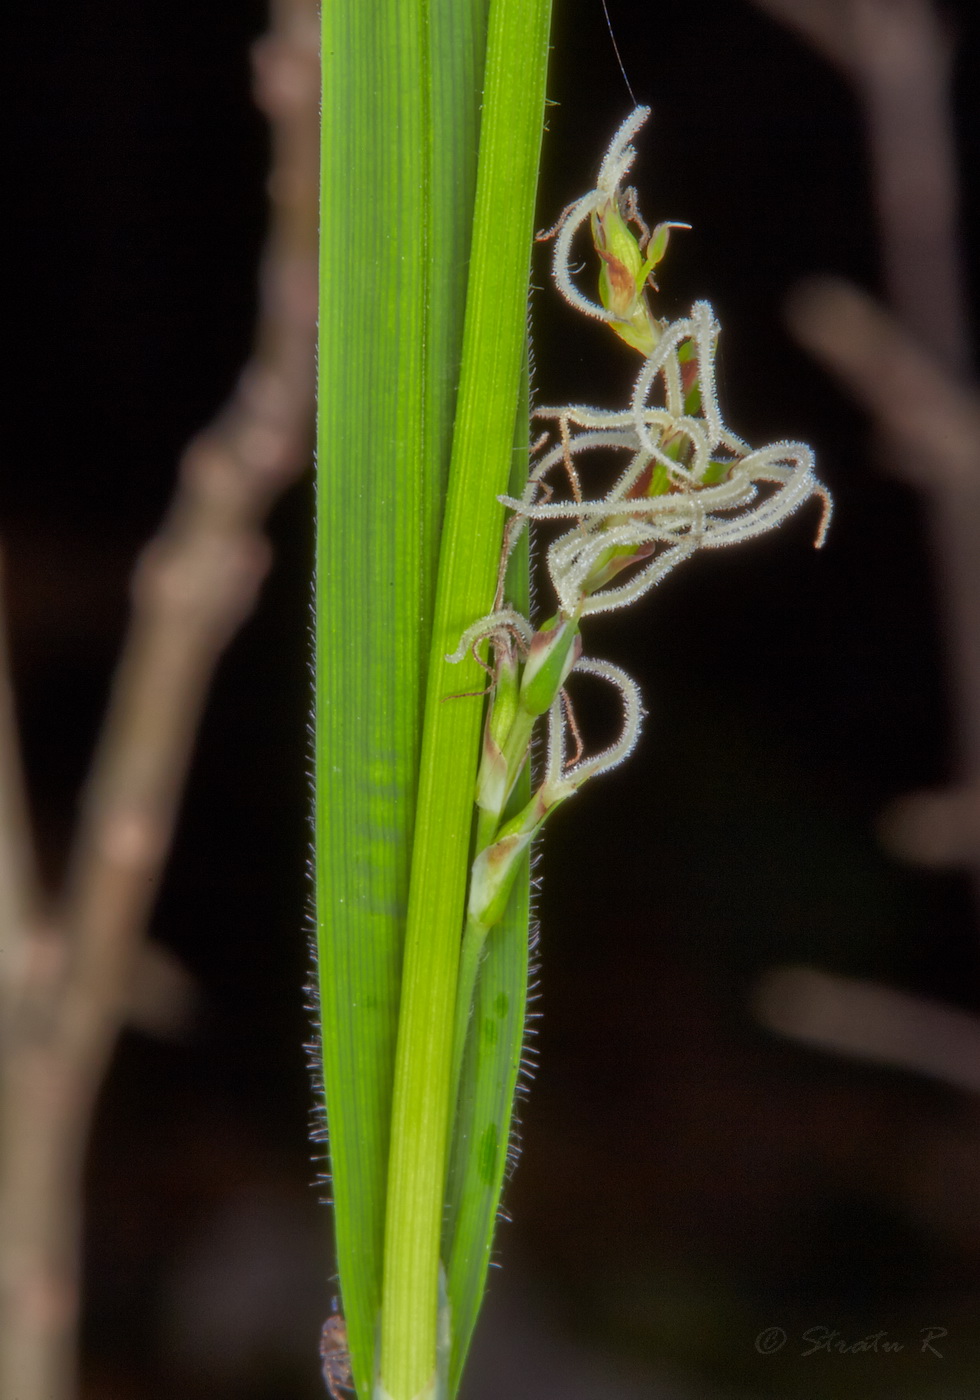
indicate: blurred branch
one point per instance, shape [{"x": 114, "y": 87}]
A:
[
  {"x": 873, "y": 1023},
  {"x": 67, "y": 992},
  {"x": 18, "y": 876},
  {"x": 935, "y": 416},
  {"x": 909, "y": 368},
  {"x": 898, "y": 54},
  {"x": 163, "y": 999},
  {"x": 935, "y": 420}
]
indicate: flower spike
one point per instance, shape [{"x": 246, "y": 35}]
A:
[{"x": 634, "y": 491}]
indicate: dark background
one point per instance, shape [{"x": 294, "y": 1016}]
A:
[{"x": 687, "y": 1179}]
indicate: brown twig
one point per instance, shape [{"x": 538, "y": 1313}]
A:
[
  {"x": 908, "y": 367},
  {"x": 65, "y": 980},
  {"x": 18, "y": 876},
  {"x": 936, "y": 420},
  {"x": 872, "y": 1023},
  {"x": 898, "y": 55},
  {"x": 935, "y": 415}
]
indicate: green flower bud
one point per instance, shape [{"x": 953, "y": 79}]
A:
[
  {"x": 622, "y": 279},
  {"x": 554, "y": 650},
  {"x": 495, "y": 867},
  {"x": 493, "y": 876}
]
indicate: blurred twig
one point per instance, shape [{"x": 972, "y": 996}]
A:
[
  {"x": 909, "y": 367},
  {"x": 67, "y": 961},
  {"x": 872, "y": 1023},
  {"x": 934, "y": 418},
  {"x": 898, "y": 55},
  {"x": 18, "y": 876}
]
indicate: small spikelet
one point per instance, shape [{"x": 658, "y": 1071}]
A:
[{"x": 615, "y": 166}]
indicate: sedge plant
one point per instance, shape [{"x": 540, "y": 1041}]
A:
[{"x": 425, "y": 498}]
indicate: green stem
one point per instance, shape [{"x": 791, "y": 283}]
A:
[
  {"x": 471, "y": 953},
  {"x": 515, "y": 752}
]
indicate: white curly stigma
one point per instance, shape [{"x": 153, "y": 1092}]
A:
[
  {"x": 562, "y": 781},
  {"x": 489, "y": 627},
  {"x": 714, "y": 489},
  {"x": 615, "y": 165}
]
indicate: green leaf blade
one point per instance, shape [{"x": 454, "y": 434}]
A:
[
  {"x": 394, "y": 239},
  {"x": 483, "y": 1133}
]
